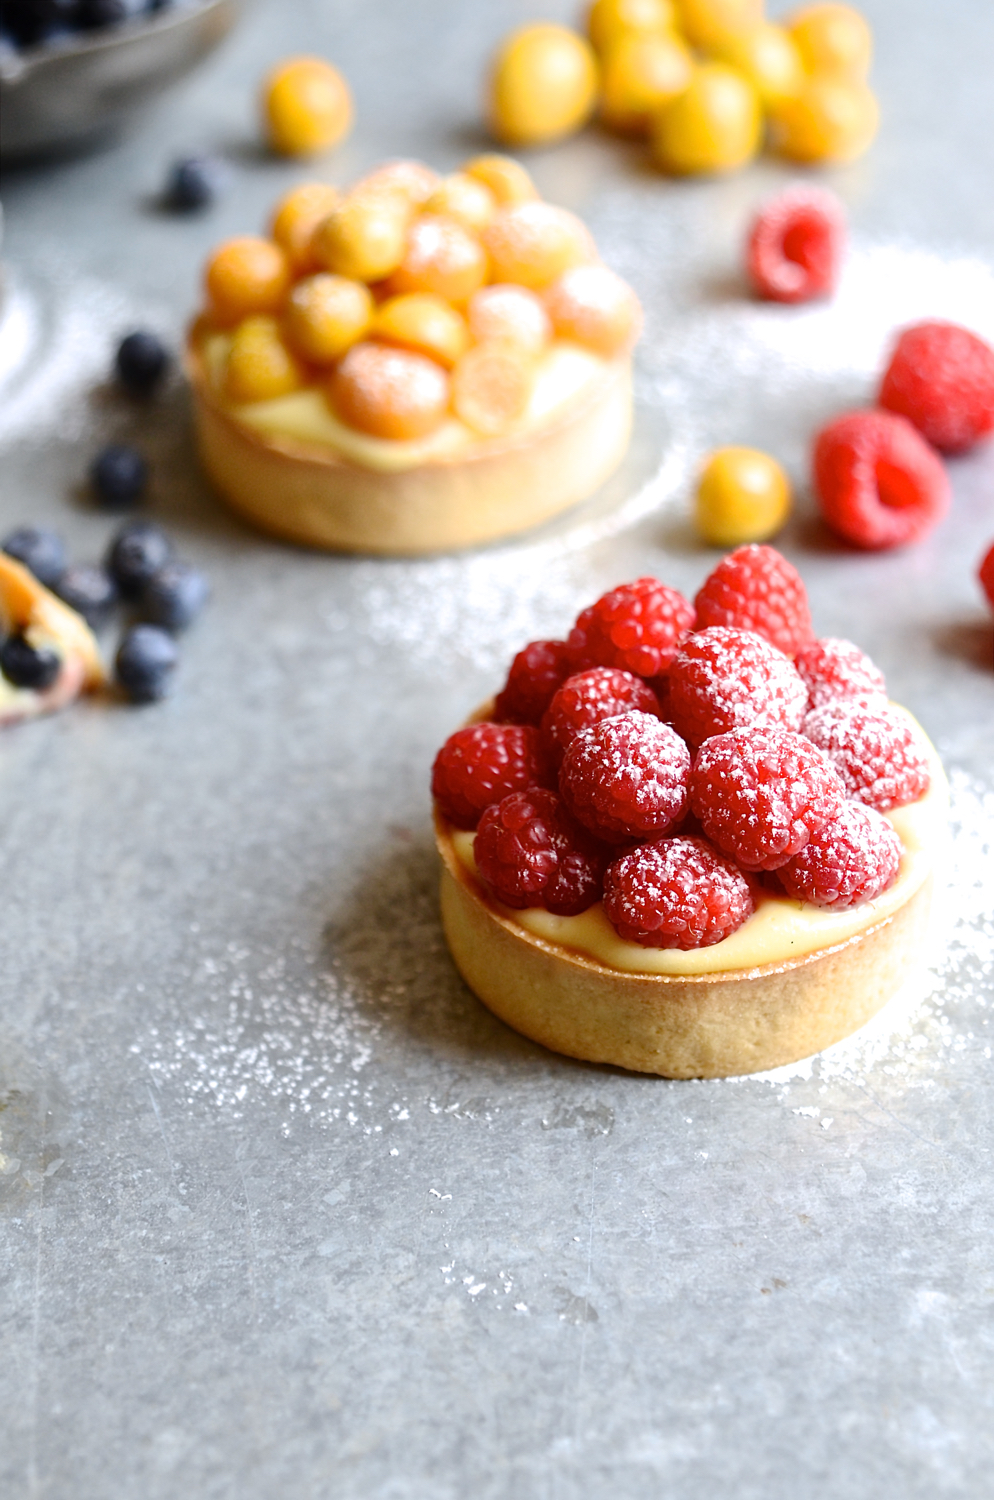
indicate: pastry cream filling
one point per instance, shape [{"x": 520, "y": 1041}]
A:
[
  {"x": 778, "y": 931},
  {"x": 564, "y": 372}
]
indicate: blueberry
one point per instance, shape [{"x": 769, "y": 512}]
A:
[
  {"x": 94, "y": 15},
  {"x": 193, "y": 183},
  {"x": 42, "y": 552},
  {"x": 174, "y": 596},
  {"x": 140, "y": 362},
  {"x": 140, "y": 549},
  {"x": 119, "y": 475},
  {"x": 33, "y": 21},
  {"x": 88, "y": 590},
  {"x": 146, "y": 661},
  {"x": 26, "y": 666}
]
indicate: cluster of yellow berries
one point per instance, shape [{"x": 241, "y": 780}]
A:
[
  {"x": 705, "y": 80},
  {"x": 412, "y": 296}
]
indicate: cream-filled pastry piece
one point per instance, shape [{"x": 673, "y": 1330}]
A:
[
  {"x": 416, "y": 364},
  {"x": 65, "y": 660},
  {"x": 629, "y": 878}
]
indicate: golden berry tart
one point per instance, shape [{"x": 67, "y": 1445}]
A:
[
  {"x": 29, "y": 609},
  {"x": 416, "y": 364},
  {"x": 689, "y": 839}
]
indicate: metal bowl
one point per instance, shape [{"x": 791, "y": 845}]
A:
[{"x": 68, "y": 93}]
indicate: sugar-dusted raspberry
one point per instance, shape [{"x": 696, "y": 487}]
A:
[
  {"x": 876, "y": 750},
  {"x": 626, "y": 778},
  {"x": 586, "y": 698},
  {"x": 756, "y": 588},
  {"x": 677, "y": 893},
  {"x": 941, "y": 377},
  {"x": 795, "y": 245},
  {"x": 637, "y": 626},
  {"x": 835, "y": 668},
  {"x": 761, "y": 793},
  {"x": 535, "y": 674},
  {"x": 482, "y": 763},
  {"x": 727, "y": 679},
  {"x": 986, "y": 575},
  {"x": 851, "y": 860},
  {"x": 531, "y": 852},
  {"x": 877, "y": 481}
]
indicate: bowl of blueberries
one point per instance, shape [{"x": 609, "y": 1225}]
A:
[{"x": 73, "y": 71}]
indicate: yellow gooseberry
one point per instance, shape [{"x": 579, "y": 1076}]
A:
[
  {"x": 364, "y": 237},
  {"x": 325, "y": 315},
  {"x": 307, "y": 106},
  {"x": 465, "y": 199},
  {"x": 642, "y": 71},
  {"x": 420, "y": 321},
  {"x": 442, "y": 257},
  {"x": 832, "y": 39},
  {"x": 830, "y": 119},
  {"x": 259, "y": 366},
  {"x": 768, "y": 56},
  {"x": 509, "y": 313},
  {"x": 543, "y": 85},
  {"x": 609, "y": 20},
  {"x": 296, "y": 217},
  {"x": 743, "y": 495},
  {"x": 594, "y": 307},
  {"x": 411, "y": 181},
  {"x": 244, "y": 276},
  {"x": 706, "y": 22},
  {"x": 389, "y": 393},
  {"x": 492, "y": 385},
  {"x": 715, "y": 125},
  {"x": 506, "y": 178},
  {"x": 533, "y": 243}
]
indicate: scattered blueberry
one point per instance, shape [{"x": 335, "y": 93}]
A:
[
  {"x": 174, "y": 596},
  {"x": 141, "y": 361},
  {"x": 88, "y": 590},
  {"x": 193, "y": 183},
  {"x": 146, "y": 662},
  {"x": 42, "y": 552},
  {"x": 26, "y": 666},
  {"x": 140, "y": 549},
  {"x": 119, "y": 475},
  {"x": 94, "y": 15},
  {"x": 31, "y": 21}
]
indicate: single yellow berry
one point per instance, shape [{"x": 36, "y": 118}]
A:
[
  {"x": 259, "y": 366},
  {"x": 715, "y": 125},
  {"x": 390, "y": 393},
  {"x": 505, "y": 177},
  {"x": 768, "y": 56},
  {"x": 491, "y": 386},
  {"x": 307, "y": 106},
  {"x": 509, "y": 313},
  {"x": 441, "y": 257},
  {"x": 832, "y": 39},
  {"x": 707, "y": 22},
  {"x": 543, "y": 85},
  {"x": 364, "y": 237},
  {"x": 643, "y": 71},
  {"x": 244, "y": 276},
  {"x": 427, "y": 324},
  {"x": 534, "y": 243},
  {"x": 296, "y": 217},
  {"x": 465, "y": 199},
  {"x": 830, "y": 119},
  {"x": 410, "y": 181},
  {"x": 594, "y": 307},
  {"x": 325, "y": 315},
  {"x": 743, "y": 496},
  {"x": 609, "y": 20}
]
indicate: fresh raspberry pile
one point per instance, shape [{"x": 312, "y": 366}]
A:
[
  {"x": 878, "y": 482},
  {"x": 941, "y": 377},
  {"x": 795, "y": 246},
  {"x": 678, "y": 893},
  {"x": 874, "y": 749},
  {"x": 637, "y": 627},
  {"x": 586, "y": 698},
  {"x": 755, "y": 588},
  {"x": 724, "y": 679},
  {"x": 535, "y": 674},
  {"x": 532, "y": 853},
  {"x": 725, "y": 763}
]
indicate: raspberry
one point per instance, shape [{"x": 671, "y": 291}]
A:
[
  {"x": 834, "y": 668},
  {"x": 875, "y": 750},
  {"x": 588, "y": 697},
  {"x": 531, "y": 852},
  {"x": 482, "y": 763},
  {"x": 986, "y": 576},
  {"x": 761, "y": 793},
  {"x": 755, "y": 588},
  {"x": 535, "y": 674},
  {"x": 941, "y": 377},
  {"x": 626, "y": 778},
  {"x": 677, "y": 893},
  {"x": 795, "y": 245},
  {"x": 637, "y": 626},
  {"x": 851, "y": 860},
  {"x": 731, "y": 679},
  {"x": 878, "y": 482}
]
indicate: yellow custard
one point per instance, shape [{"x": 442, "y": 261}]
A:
[{"x": 778, "y": 931}]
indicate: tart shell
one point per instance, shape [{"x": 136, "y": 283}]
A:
[{"x": 308, "y": 494}]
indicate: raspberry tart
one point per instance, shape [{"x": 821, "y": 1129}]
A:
[
  {"x": 416, "y": 364},
  {"x": 680, "y": 848}
]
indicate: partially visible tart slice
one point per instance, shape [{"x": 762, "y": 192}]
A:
[{"x": 28, "y": 608}]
